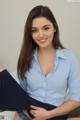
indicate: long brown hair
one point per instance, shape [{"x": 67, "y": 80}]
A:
[{"x": 28, "y": 46}]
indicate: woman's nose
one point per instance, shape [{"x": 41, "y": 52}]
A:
[{"x": 40, "y": 33}]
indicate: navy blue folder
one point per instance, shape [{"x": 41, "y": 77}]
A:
[{"x": 12, "y": 96}]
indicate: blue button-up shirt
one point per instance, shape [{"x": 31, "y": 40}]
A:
[{"x": 52, "y": 88}]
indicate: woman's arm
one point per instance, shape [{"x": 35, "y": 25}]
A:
[
  {"x": 61, "y": 110},
  {"x": 64, "y": 108}
]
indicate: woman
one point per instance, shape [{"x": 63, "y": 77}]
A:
[{"x": 46, "y": 69}]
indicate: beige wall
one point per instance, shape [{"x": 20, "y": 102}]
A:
[{"x": 13, "y": 15}]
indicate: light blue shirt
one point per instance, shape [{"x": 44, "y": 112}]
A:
[{"x": 52, "y": 88}]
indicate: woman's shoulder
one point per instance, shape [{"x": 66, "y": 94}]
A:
[
  {"x": 70, "y": 57},
  {"x": 69, "y": 54}
]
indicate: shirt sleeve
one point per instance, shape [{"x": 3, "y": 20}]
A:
[{"x": 74, "y": 80}]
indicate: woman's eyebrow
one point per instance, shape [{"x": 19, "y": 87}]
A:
[{"x": 47, "y": 25}]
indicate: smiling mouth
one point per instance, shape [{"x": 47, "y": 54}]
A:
[{"x": 42, "y": 40}]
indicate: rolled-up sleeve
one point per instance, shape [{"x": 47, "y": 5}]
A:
[{"x": 74, "y": 80}]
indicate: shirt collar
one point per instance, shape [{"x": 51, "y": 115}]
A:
[{"x": 59, "y": 54}]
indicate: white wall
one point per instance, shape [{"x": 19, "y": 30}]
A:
[{"x": 13, "y": 14}]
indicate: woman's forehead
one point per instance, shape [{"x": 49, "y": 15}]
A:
[{"x": 41, "y": 21}]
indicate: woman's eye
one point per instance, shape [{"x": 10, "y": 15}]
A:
[
  {"x": 46, "y": 28},
  {"x": 34, "y": 31}
]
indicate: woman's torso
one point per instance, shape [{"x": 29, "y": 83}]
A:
[{"x": 53, "y": 87}]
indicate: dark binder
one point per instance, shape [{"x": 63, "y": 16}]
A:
[{"x": 12, "y": 96}]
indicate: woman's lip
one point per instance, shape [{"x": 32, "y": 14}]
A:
[{"x": 42, "y": 40}]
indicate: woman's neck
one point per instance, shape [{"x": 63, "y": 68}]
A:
[{"x": 46, "y": 51}]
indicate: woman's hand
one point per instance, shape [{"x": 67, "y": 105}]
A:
[{"x": 39, "y": 113}]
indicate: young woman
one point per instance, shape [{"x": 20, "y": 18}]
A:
[{"x": 46, "y": 69}]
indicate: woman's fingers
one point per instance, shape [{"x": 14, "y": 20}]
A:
[{"x": 34, "y": 107}]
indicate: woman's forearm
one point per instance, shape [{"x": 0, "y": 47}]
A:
[{"x": 64, "y": 108}]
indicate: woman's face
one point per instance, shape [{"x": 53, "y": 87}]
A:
[{"x": 42, "y": 32}]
